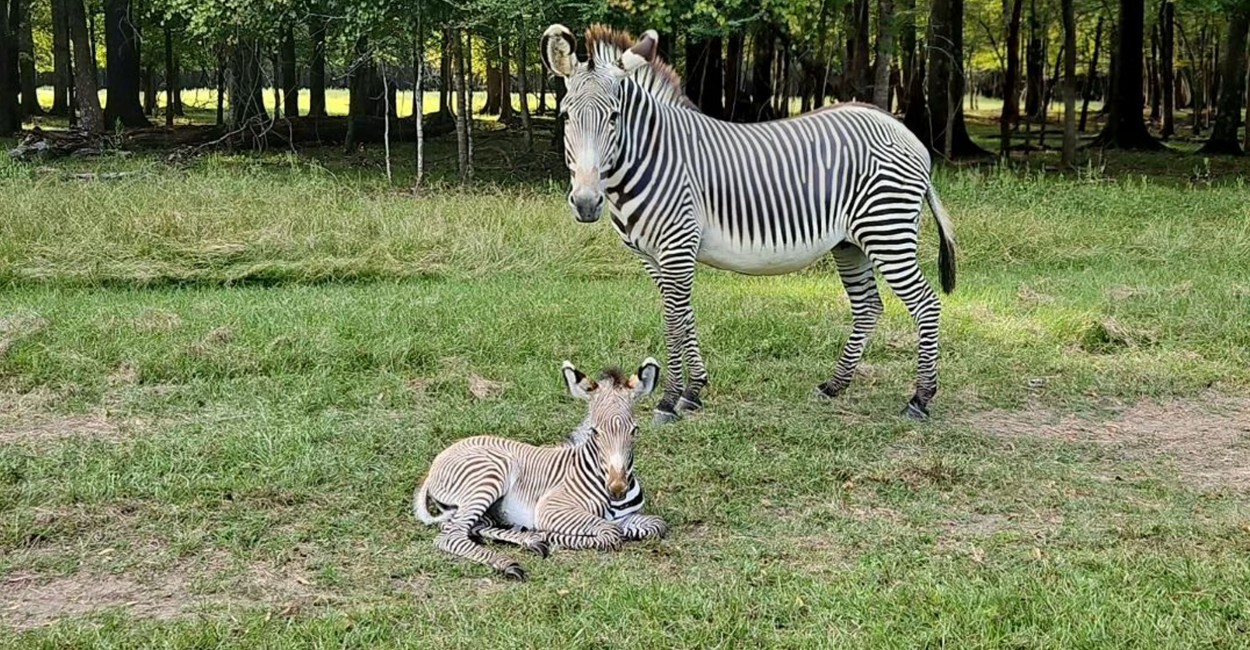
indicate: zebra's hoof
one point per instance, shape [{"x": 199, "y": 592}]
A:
[
  {"x": 689, "y": 405},
  {"x": 827, "y": 392},
  {"x": 662, "y": 418},
  {"x": 541, "y": 548},
  {"x": 514, "y": 572},
  {"x": 915, "y": 412}
]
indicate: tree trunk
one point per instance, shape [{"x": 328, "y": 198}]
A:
[
  {"x": 62, "y": 73},
  {"x": 121, "y": 42},
  {"x": 916, "y": 118},
  {"x": 1011, "y": 79},
  {"x": 26, "y": 61},
  {"x": 494, "y": 85},
  {"x": 765, "y": 47},
  {"x": 526, "y": 124},
  {"x": 463, "y": 107},
  {"x": 705, "y": 74},
  {"x": 90, "y": 117},
  {"x": 171, "y": 81},
  {"x": 247, "y": 101},
  {"x": 1034, "y": 66},
  {"x": 418, "y": 105},
  {"x": 1224, "y": 139},
  {"x": 857, "y": 76},
  {"x": 176, "y": 83},
  {"x": 1167, "y": 56},
  {"x": 317, "y": 68},
  {"x": 733, "y": 75},
  {"x": 950, "y": 137},
  {"x": 221, "y": 89},
  {"x": 10, "y": 112},
  {"x": 506, "y": 114},
  {"x": 290, "y": 75},
  {"x": 907, "y": 37},
  {"x": 368, "y": 94},
  {"x": 447, "y": 56},
  {"x": 1069, "y": 84},
  {"x": 1125, "y": 127},
  {"x": 820, "y": 85},
  {"x": 149, "y": 91},
  {"x": 1152, "y": 77},
  {"x": 1091, "y": 75},
  {"x": 885, "y": 51}
]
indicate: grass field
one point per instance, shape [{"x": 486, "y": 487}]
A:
[{"x": 220, "y": 382}]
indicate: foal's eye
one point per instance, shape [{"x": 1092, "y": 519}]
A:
[{"x": 614, "y": 116}]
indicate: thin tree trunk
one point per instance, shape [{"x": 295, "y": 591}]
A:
[
  {"x": 290, "y": 75},
  {"x": 462, "y": 109},
  {"x": 762, "y": 73},
  {"x": 822, "y": 29},
  {"x": 526, "y": 123},
  {"x": 1167, "y": 56},
  {"x": 317, "y": 68},
  {"x": 170, "y": 76},
  {"x": 221, "y": 89},
  {"x": 1125, "y": 128},
  {"x": 1034, "y": 66},
  {"x": 418, "y": 105},
  {"x": 542, "y": 94},
  {"x": 10, "y": 111},
  {"x": 26, "y": 63},
  {"x": 885, "y": 51},
  {"x": 121, "y": 40},
  {"x": 90, "y": 116},
  {"x": 1011, "y": 79},
  {"x": 506, "y": 114},
  {"x": 1091, "y": 75},
  {"x": 1069, "y": 83},
  {"x": 176, "y": 83},
  {"x": 149, "y": 91},
  {"x": 246, "y": 84},
  {"x": 1152, "y": 77},
  {"x": 1224, "y": 140},
  {"x": 447, "y": 54},
  {"x": 733, "y": 74},
  {"x": 907, "y": 36},
  {"x": 946, "y": 82},
  {"x": 62, "y": 72}
]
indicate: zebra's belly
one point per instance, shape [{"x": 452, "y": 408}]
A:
[
  {"x": 720, "y": 250},
  {"x": 511, "y": 510}
]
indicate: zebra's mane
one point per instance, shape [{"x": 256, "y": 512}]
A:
[{"x": 605, "y": 45}]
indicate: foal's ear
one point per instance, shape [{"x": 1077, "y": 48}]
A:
[
  {"x": 580, "y": 386},
  {"x": 642, "y": 53},
  {"x": 644, "y": 381},
  {"x": 556, "y": 48}
]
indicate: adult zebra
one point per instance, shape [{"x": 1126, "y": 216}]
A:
[{"x": 759, "y": 199}]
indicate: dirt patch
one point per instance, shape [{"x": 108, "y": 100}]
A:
[
  {"x": 190, "y": 587},
  {"x": 15, "y": 327},
  {"x": 45, "y": 429},
  {"x": 1206, "y": 440},
  {"x": 157, "y": 320}
]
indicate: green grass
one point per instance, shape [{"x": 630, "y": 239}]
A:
[{"x": 220, "y": 383}]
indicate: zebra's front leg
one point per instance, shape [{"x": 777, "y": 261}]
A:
[
  {"x": 570, "y": 527},
  {"x": 638, "y": 527},
  {"x": 856, "y": 272},
  {"x": 674, "y": 275},
  {"x": 530, "y": 540}
]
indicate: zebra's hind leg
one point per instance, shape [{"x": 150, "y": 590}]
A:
[
  {"x": 902, "y": 273},
  {"x": 637, "y": 526},
  {"x": 456, "y": 534},
  {"x": 855, "y": 269},
  {"x": 530, "y": 540}
]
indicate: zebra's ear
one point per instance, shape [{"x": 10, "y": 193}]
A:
[
  {"x": 580, "y": 386},
  {"x": 644, "y": 382},
  {"x": 642, "y": 53},
  {"x": 556, "y": 48}
]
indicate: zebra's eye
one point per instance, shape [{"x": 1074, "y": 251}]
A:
[{"x": 614, "y": 116}]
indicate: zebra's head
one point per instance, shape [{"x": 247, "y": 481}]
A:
[
  {"x": 610, "y": 420},
  {"x": 592, "y": 105}
]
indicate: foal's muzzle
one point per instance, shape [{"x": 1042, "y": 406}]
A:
[{"x": 587, "y": 204}]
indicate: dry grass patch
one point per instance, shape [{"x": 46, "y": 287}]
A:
[
  {"x": 1206, "y": 440},
  {"x": 15, "y": 327}
]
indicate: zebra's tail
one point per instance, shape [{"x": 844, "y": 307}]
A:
[
  {"x": 421, "y": 507},
  {"x": 946, "y": 231}
]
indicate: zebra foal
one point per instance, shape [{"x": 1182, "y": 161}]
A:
[
  {"x": 760, "y": 199},
  {"x": 579, "y": 494}
]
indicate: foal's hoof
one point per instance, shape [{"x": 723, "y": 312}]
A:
[
  {"x": 689, "y": 404},
  {"x": 826, "y": 391},
  {"x": 662, "y": 418},
  {"x": 915, "y": 412},
  {"x": 540, "y": 548},
  {"x": 514, "y": 572}
]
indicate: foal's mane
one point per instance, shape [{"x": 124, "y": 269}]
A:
[{"x": 604, "y": 46}]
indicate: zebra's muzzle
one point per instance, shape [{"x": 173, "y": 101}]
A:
[{"x": 587, "y": 205}]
